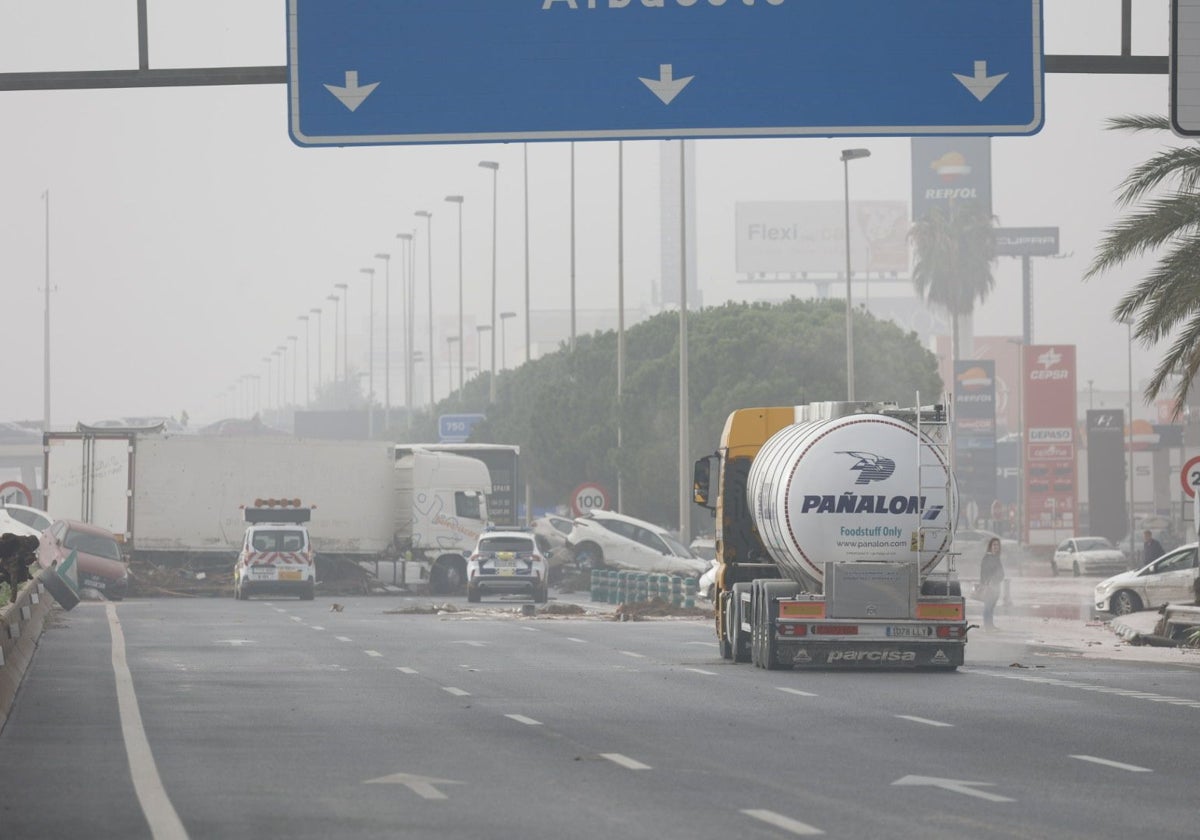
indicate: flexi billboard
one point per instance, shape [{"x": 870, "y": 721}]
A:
[
  {"x": 809, "y": 237},
  {"x": 1048, "y": 401}
]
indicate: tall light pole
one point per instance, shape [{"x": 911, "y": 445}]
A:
[
  {"x": 267, "y": 392},
  {"x": 495, "y": 167},
  {"x": 370, "y": 272},
  {"x": 450, "y": 339},
  {"x": 480, "y": 329},
  {"x": 525, "y": 167},
  {"x": 46, "y": 327},
  {"x": 320, "y": 342},
  {"x": 847, "y": 156},
  {"x": 572, "y": 246},
  {"x": 295, "y": 361},
  {"x": 336, "y": 333},
  {"x": 504, "y": 316},
  {"x": 280, "y": 354},
  {"x": 1129, "y": 444},
  {"x": 428, "y": 217},
  {"x": 307, "y": 359},
  {"x": 345, "y": 287},
  {"x": 418, "y": 357},
  {"x": 458, "y": 199},
  {"x": 620, "y": 315},
  {"x": 406, "y": 304}
]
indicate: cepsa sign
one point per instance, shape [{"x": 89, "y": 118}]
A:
[
  {"x": 588, "y": 497},
  {"x": 1048, "y": 402}
]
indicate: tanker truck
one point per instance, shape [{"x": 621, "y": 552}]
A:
[{"x": 834, "y": 526}]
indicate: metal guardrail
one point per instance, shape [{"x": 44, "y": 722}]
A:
[{"x": 20, "y": 626}]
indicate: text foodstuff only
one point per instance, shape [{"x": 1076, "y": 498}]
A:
[{"x": 649, "y": 4}]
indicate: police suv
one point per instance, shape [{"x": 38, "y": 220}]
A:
[{"x": 507, "y": 562}]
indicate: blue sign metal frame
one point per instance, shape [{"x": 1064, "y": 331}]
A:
[{"x": 454, "y": 71}]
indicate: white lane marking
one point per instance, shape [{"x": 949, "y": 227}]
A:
[
  {"x": 531, "y": 629},
  {"x": 343, "y": 638},
  {"x": 573, "y": 639},
  {"x": 925, "y": 721},
  {"x": 457, "y": 692},
  {"x": 280, "y": 610},
  {"x": 701, "y": 671},
  {"x": 625, "y": 761},
  {"x": 422, "y": 786},
  {"x": 631, "y": 653},
  {"x": 702, "y": 644},
  {"x": 1102, "y": 689},
  {"x": 525, "y": 720},
  {"x": 470, "y": 642},
  {"x": 403, "y": 670},
  {"x": 796, "y": 691},
  {"x": 147, "y": 784},
  {"x": 1132, "y": 768},
  {"x": 785, "y": 823},
  {"x": 317, "y": 627},
  {"x": 295, "y": 618},
  {"x": 372, "y": 653},
  {"x": 967, "y": 788}
]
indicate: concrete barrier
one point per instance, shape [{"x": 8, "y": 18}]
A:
[{"x": 21, "y": 625}]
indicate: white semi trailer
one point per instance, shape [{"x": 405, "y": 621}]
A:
[{"x": 176, "y": 498}]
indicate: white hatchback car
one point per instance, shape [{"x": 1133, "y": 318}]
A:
[
  {"x": 505, "y": 563},
  {"x": 1168, "y": 580},
  {"x": 603, "y": 539},
  {"x": 1087, "y": 556}
]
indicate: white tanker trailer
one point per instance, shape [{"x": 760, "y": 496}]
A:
[{"x": 834, "y": 523}]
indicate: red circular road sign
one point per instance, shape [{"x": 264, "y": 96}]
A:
[
  {"x": 1189, "y": 476},
  {"x": 587, "y": 497},
  {"x": 6, "y": 494}
]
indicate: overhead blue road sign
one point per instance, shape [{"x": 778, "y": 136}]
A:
[{"x": 453, "y": 71}]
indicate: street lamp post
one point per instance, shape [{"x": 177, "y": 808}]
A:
[
  {"x": 1129, "y": 443},
  {"x": 525, "y": 170},
  {"x": 267, "y": 392},
  {"x": 458, "y": 199},
  {"x": 336, "y": 332},
  {"x": 307, "y": 359},
  {"x": 405, "y": 307},
  {"x": 495, "y": 167},
  {"x": 387, "y": 337},
  {"x": 320, "y": 342},
  {"x": 345, "y": 287},
  {"x": 295, "y": 361},
  {"x": 428, "y": 217},
  {"x": 480, "y": 329},
  {"x": 847, "y": 156},
  {"x": 504, "y": 316},
  {"x": 450, "y": 339},
  {"x": 370, "y": 272},
  {"x": 280, "y": 354}
]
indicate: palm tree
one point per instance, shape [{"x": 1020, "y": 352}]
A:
[
  {"x": 955, "y": 251},
  {"x": 1167, "y": 300}
]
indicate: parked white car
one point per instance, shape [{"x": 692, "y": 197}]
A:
[
  {"x": 1087, "y": 556},
  {"x": 1168, "y": 580},
  {"x": 603, "y": 539}
]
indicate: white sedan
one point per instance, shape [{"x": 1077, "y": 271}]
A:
[
  {"x": 603, "y": 539},
  {"x": 1168, "y": 580},
  {"x": 1087, "y": 556}
]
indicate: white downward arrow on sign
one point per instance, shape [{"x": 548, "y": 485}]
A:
[
  {"x": 980, "y": 84},
  {"x": 666, "y": 87},
  {"x": 422, "y": 786},
  {"x": 352, "y": 95},
  {"x": 955, "y": 785}
]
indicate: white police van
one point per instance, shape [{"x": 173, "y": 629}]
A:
[{"x": 276, "y": 556}]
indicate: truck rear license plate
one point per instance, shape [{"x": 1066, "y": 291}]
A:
[{"x": 909, "y": 632}]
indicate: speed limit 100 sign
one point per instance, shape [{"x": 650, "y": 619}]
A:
[
  {"x": 589, "y": 497},
  {"x": 1189, "y": 476}
]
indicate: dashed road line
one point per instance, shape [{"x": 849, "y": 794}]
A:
[
  {"x": 795, "y": 691},
  {"x": 625, "y": 761},
  {"x": 317, "y": 627},
  {"x": 531, "y": 629},
  {"x": 295, "y": 618},
  {"x": 457, "y": 692},
  {"x": 573, "y": 639},
  {"x": 528, "y": 721},
  {"x": 925, "y": 721},
  {"x": 372, "y": 653},
  {"x": 343, "y": 638},
  {"x": 786, "y": 823},
  {"x": 404, "y": 670},
  {"x": 701, "y": 671},
  {"x": 1132, "y": 768},
  {"x": 1099, "y": 689},
  {"x": 631, "y": 653}
]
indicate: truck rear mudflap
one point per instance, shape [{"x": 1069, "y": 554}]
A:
[{"x": 811, "y": 653}]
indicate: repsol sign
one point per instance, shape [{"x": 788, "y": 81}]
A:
[{"x": 855, "y": 503}]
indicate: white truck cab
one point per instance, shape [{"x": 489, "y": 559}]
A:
[{"x": 276, "y": 556}]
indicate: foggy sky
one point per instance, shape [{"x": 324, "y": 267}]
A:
[{"x": 188, "y": 232}]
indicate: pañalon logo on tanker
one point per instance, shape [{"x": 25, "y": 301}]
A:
[
  {"x": 1050, "y": 369},
  {"x": 950, "y": 167}
]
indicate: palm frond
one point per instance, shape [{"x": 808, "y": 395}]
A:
[
  {"x": 1181, "y": 164},
  {"x": 1159, "y": 221},
  {"x": 1138, "y": 122}
]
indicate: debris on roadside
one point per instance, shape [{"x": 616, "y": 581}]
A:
[{"x": 656, "y": 608}]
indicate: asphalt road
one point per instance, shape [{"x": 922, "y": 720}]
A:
[{"x": 226, "y": 719}]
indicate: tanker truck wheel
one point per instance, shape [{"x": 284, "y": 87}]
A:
[
  {"x": 769, "y": 592},
  {"x": 739, "y": 639}
]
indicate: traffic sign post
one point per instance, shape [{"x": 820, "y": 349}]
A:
[
  {"x": 1189, "y": 476},
  {"x": 454, "y": 71},
  {"x": 587, "y": 497}
]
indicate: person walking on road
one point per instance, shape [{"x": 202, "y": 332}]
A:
[
  {"x": 1151, "y": 548},
  {"x": 991, "y": 579}
]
